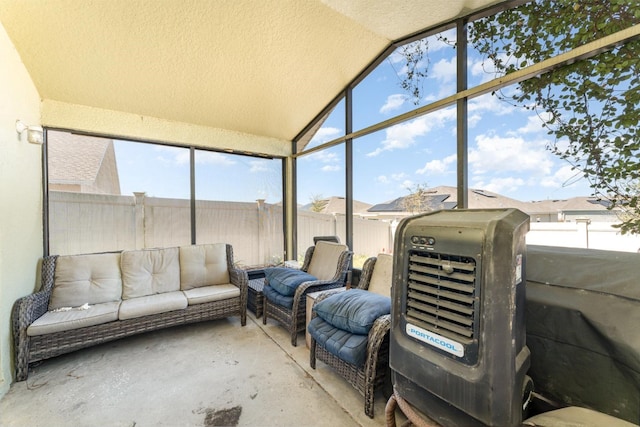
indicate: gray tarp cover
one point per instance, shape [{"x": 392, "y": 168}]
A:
[{"x": 583, "y": 327}]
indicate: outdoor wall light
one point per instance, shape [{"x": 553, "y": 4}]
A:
[{"x": 34, "y": 133}]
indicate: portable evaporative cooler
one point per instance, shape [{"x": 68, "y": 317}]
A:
[{"x": 457, "y": 349}]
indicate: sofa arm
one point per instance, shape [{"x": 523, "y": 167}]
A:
[
  {"x": 240, "y": 278},
  {"x": 25, "y": 311},
  {"x": 377, "y": 346},
  {"x": 378, "y": 332}
]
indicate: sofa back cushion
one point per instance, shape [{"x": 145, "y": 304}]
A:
[
  {"x": 380, "y": 282},
  {"x": 149, "y": 271},
  {"x": 324, "y": 262},
  {"x": 86, "y": 279},
  {"x": 203, "y": 265}
]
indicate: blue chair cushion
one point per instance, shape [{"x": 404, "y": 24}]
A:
[
  {"x": 286, "y": 280},
  {"x": 351, "y": 348},
  {"x": 354, "y": 310},
  {"x": 277, "y": 298}
]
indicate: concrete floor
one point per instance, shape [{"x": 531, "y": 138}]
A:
[{"x": 208, "y": 374}]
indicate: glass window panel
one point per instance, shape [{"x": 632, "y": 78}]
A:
[
  {"x": 239, "y": 202},
  {"x": 402, "y": 170},
  {"x": 321, "y": 197},
  {"x": 329, "y": 128},
  {"x": 109, "y": 194},
  {"x": 414, "y": 75}
]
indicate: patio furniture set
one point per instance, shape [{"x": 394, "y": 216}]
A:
[{"x": 85, "y": 300}]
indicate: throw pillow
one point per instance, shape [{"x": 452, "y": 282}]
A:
[
  {"x": 354, "y": 310},
  {"x": 286, "y": 280}
]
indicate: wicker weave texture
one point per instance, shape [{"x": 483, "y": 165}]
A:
[
  {"x": 255, "y": 300},
  {"x": 368, "y": 378}
]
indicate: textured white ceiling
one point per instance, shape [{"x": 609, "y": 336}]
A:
[{"x": 265, "y": 68}]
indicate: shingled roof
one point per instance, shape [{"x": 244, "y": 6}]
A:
[
  {"x": 337, "y": 205},
  {"x": 446, "y": 197},
  {"x": 81, "y": 164}
]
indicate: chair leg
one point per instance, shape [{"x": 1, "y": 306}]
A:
[
  {"x": 264, "y": 311},
  {"x": 312, "y": 353},
  {"x": 369, "y": 398}
]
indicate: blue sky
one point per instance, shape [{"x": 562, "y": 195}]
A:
[{"x": 507, "y": 153}]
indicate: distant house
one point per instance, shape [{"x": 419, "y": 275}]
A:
[
  {"x": 337, "y": 205},
  {"x": 81, "y": 164},
  {"x": 445, "y": 197},
  {"x": 569, "y": 210}
]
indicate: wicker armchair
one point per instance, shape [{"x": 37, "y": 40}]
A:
[
  {"x": 330, "y": 263},
  {"x": 374, "y": 373}
]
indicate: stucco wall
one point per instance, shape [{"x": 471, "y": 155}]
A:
[{"x": 20, "y": 195}]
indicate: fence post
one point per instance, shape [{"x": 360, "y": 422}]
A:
[
  {"x": 583, "y": 230},
  {"x": 262, "y": 238},
  {"x": 139, "y": 219}
]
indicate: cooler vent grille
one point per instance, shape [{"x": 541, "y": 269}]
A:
[{"x": 441, "y": 294}]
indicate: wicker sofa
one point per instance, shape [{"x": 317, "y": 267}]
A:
[{"x": 90, "y": 299}]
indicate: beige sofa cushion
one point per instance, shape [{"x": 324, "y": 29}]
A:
[
  {"x": 149, "y": 271},
  {"x": 57, "y": 321},
  {"x": 211, "y": 293},
  {"x": 86, "y": 279},
  {"x": 203, "y": 265},
  {"x": 380, "y": 282},
  {"x": 324, "y": 261},
  {"x": 152, "y": 304}
]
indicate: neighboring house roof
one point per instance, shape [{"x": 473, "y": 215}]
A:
[
  {"x": 445, "y": 197},
  {"x": 337, "y": 205},
  {"x": 588, "y": 203},
  {"x": 81, "y": 164},
  {"x": 398, "y": 205}
]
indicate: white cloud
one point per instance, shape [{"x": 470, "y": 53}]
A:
[
  {"x": 404, "y": 135},
  {"x": 394, "y": 102},
  {"x": 509, "y": 154},
  {"x": 257, "y": 166},
  {"x": 501, "y": 185},
  {"x": 443, "y": 70},
  {"x": 330, "y": 160},
  {"x": 563, "y": 177},
  {"x": 490, "y": 103},
  {"x": 486, "y": 68},
  {"x": 323, "y": 156},
  {"x": 438, "y": 167},
  {"x": 325, "y": 134},
  {"x": 534, "y": 125},
  {"x": 407, "y": 184},
  {"x": 394, "y": 177}
]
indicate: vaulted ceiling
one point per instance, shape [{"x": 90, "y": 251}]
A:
[{"x": 258, "y": 67}]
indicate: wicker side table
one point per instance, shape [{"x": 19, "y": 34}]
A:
[{"x": 255, "y": 300}]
